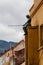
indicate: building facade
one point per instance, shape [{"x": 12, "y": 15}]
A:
[
  {"x": 19, "y": 53},
  {"x": 14, "y": 56},
  {"x": 34, "y": 35}
]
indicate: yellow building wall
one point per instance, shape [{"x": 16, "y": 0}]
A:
[
  {"x": 37, "y": 19},
  {"x": 35, "y": 1},
  {"x": 41, "y": 57},
  {"x": 33, "y": 45},
  {"x": 36, "y": 15},
  {"x": 26, "y": 49}
]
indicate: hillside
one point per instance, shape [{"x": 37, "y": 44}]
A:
[{"x": 5, "y": 45}]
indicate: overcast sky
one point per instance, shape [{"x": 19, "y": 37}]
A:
[{"x": 13, "y": 12}]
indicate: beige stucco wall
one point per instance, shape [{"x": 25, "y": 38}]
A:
[
  {"x": 20, "y": 46},
  {"x": 36, "y": 1},
  {"x": 37, "y": 19}
]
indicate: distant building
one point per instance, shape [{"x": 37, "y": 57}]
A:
[
  {"x": 23, "y": 63},
  {"x": 19, "y": 53},
  {"x": 15, "y": 55}
]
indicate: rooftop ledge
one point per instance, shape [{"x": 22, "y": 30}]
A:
[{"x": 35, "y": 7}]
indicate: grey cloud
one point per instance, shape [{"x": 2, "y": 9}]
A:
[{"x": 13, "y": 12}]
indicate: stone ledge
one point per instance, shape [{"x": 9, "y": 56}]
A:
[{"x": 40, "y": 48}]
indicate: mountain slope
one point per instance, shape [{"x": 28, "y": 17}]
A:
[{"x": 5, "y": 45}]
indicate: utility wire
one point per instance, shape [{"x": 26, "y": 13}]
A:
[{"x": 15, "y": 25}]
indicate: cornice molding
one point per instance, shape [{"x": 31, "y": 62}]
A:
[
  {"x": 32, "y": 27},
  {"x": 41, "y": 48},
  {"x": 35, "y": 8}
]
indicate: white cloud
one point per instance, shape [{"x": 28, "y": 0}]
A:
[
  {"x": 13, "y": 12},
  {"x": 7, "y": 33}
]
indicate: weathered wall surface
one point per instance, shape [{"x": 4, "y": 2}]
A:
[
  {"x": 20, "y": 45},
  {"x": 33, "y": 45},
  {"x": 26, "y": 49},
  {"x": 6, "y": 57}
]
